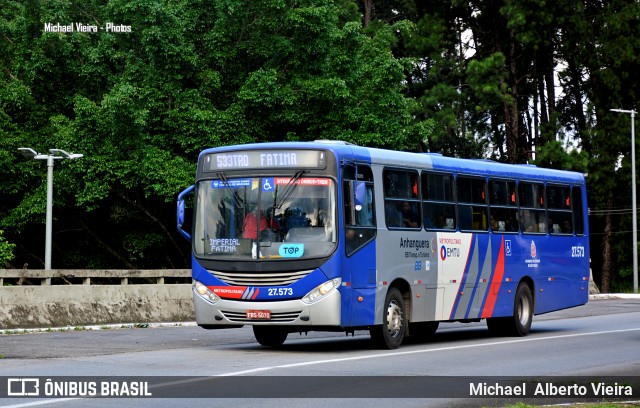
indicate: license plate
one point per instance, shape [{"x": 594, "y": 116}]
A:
[{"x": 259, "y": 314}]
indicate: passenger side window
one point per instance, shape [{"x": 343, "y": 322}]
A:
[
  {"x": 401, "y": 199},
  {"x": 472, "y": 204},
  {"x": 576, "y": 195},
  {"x": 439, "y": 207},
  {"x": 560, "y": 218},
  {"x": 503, "y": 206},
  {"x": 359, "y": 207},
  {"x": 532, "y": 214}
]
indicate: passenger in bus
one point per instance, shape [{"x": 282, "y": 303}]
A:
[
  {"x": 494, "y": 223},
  {"x": 409, "y": 217},
  {"x": 512, "y": 224},
  {"x": 267, "y": 223},
  {"x": 566, "y": 227},
  {"x": 529, "y": 221},
  {"x": 393, "y": 216},
  {"x": 296, "y": 217},
  {"x": 440, "y": 222}
]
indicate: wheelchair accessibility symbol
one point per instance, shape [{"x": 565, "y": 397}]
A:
[{"x": 267, "y": 184}]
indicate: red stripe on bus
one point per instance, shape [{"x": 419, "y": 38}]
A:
[{"x": 494, "y": 287}]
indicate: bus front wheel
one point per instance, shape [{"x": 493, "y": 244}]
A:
[
  {"x": 519, "y": 324},
  {"x": 270, "y": 336},
  {"x": 394, "y": 323}
]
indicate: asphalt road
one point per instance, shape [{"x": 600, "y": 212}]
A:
[{"x": 599, "y": 339}]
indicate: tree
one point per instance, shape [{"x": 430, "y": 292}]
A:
[
  {"x": 141, "y": 105},
  {"x": 6, "y": 250},
  {"x": 489, "y": 71},
  {"x": 602, "y": 65}
]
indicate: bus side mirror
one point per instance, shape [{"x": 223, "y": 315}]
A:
[{"x": 180, "y": 211}]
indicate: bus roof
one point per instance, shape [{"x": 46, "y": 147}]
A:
[{"x": 426, "y": 161}]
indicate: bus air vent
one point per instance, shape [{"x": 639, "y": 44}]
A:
[{"x": 260, "y": 278}]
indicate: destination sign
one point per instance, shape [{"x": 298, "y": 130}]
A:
[{"x": 262, "y": 159}]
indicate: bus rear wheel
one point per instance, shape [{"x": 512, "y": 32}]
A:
[
  {"x": 270, "y": 336},
  {"x": 519, "y": 324},
  {"x": 394, "y": 323}
]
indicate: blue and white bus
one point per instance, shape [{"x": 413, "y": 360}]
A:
[{"x": 301, "y": 236}]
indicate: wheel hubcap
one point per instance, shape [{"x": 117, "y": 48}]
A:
[
  {"x": 394, "y": 319},
  {"x": 524, "y": 310}
]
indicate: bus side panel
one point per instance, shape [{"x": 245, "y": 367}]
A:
[
  {"x": 504, "y": 297},
  {"x": 359, "y": 281},
  {"x": 410, "y": 257},
  {"x": 479, "y": 273},
  {"x": 474, "y": 290},
  {"x": 360, "y": 312},
  {"x": 507, "y": 271},
  {"x": 458, "y": 264},
  {"x": 560, "y": 279},
  {"x": 563, "y": 277},
  {"x": 485, "y": 283},
  {"x": 492, "y": 271}
]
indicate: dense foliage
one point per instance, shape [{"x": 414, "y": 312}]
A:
[
  {"x": 140, "y": 105},
  {"x": 486, "y": 78}
]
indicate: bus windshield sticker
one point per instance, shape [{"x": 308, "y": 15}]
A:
[
  {"x": 291, "y": 250},
  {"x": 233, "y": 183},
  {"x": 305, "y": 181},
  {"x": 267, "y": 184},
  {"x": 224, "y": 245}
]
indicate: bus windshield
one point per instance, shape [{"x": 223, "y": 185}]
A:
[{"x": 265, "y": 218}]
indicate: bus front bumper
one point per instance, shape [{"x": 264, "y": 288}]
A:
[{"x": 225, "y": 312}]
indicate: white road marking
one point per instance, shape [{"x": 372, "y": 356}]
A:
[
  {"x": 341, "y": 360},
  {"x": 439, "y": 349}
]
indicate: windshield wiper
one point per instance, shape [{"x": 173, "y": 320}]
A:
[
  {"x": 288, "y": 189},
  {"x": 234, "y": 196}
]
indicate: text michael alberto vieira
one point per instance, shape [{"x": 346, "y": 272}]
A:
[
  {"x": 86, "y": 28},
  {"x": 549, "y": 389}
]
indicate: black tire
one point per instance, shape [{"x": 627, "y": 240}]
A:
[
  {"x": 519, "y": 324},
  {"x": 270, "y": 336},
  {"x": 394, "y": 322}
]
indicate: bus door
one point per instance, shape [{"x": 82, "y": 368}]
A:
[{"x": 359, "y": 261}]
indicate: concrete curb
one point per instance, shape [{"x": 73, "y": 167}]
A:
[
  {"x": 96, "y": 328},
  {"x": 602, "y": 296}
]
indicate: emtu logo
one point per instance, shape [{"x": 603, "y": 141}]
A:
[{"x": 447, "y": 252}]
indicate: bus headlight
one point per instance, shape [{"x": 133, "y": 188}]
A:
[
  {"x": 321, "y": 291},
  {"x": 204, "y": 292}
]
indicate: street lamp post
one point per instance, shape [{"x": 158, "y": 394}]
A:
[
  {"x": 633, "y": 196},
  {"x": 53, "y": 155}
]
